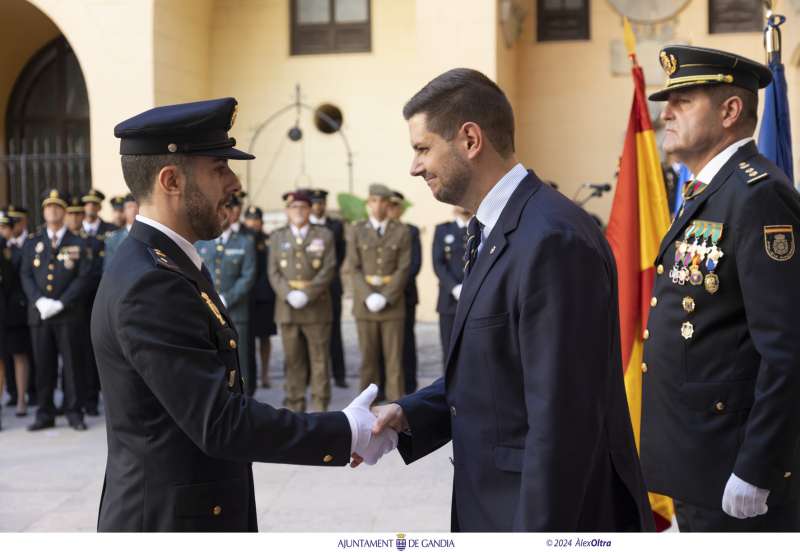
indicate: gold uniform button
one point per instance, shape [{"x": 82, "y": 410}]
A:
[
  {"x": 51, "y": 267},
  {"x": 688, "y": 304},
  {"x": 654, "y": 301},
  {"x": 327, "y": 458},
  {"x": 660, "y": 269},
  {"x": 787, "y": 475},
  {"x": 232, "y": 343},
  {"x": 644, "y": 367},
  {"x": 216, "y": 510},
  {"x": 453, "y": 410},
  {"x": 50, "y": 277},
  {"x": 49, "y": 287},
  {"x": 646, "y": 335},
  {"x": 720, "y": 406}
]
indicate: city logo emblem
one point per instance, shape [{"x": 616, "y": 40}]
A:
[{"x": 400, "y": 543}]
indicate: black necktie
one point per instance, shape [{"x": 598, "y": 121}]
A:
[
  {"x": 474, "y": 231},
  {"x": 206, "y": 273}
]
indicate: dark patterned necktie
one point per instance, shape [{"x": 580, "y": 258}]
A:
[{"x": 474, "y": 232}]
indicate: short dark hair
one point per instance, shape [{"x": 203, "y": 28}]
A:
[
  {"x": 721, "y": 92},
  {"x": 140, "y": 171},
  {"x": 461, "y": 95}
]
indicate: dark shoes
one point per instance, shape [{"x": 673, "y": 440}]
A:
[
  {"x": 41, "y": 424},
  {"x": 78, "y": 425},
  {"x": 92, "y": 411},
  {"x": 340, "y": 383}
]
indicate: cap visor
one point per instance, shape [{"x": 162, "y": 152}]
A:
[{"x": 225, "y": 153}]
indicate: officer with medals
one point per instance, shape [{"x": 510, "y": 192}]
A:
[
  {"x": 319, "y": 207},
  {"x": 720, "y": 428},
  {"x": 117, "y": 210},
  {"x": 231, "y": 259},
  {"x": 262, "y": 296},
  {"x": 56, "y": 275},
  {"x": 379, "y": 259},
  {"x": 130, "y": 208},
  {"x": 93, "y": 225},
  {"x": 182, "y": 431},
  {"x": 397, "y": 207},
  {"x": 74, "y": 222},
  {"x": 302, "y": 262},
  {"x": 20, "y": 368},
  {"x": 448, "y": 264}
]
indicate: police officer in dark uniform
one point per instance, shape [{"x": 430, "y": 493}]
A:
[
  {"x": 117, "y": 210},
  {"x": 262, "y": 296},
  {"x": 448, "y": 264},
  {"x": 93, "y": 225},
  {"x": 74, "y": 222},
  {"x": 721, "y": 396},
  {"x": 181, "y": 430},
  {"x": 56, "y": 276},
  {"x": 19, "y": 353},
  {"x": 319, "y": 206}
]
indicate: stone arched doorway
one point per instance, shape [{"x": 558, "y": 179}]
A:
[{"x": 47, "y": 127}]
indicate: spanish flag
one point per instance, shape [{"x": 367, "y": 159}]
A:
[{"x": 639, "y": 219}]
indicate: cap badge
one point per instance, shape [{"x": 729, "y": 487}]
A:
[
  {"x": 172, "y": 148},
  {"x": 668, "y": 63}
]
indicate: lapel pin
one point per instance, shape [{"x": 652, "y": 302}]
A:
[{"x": 491, "y": 251}]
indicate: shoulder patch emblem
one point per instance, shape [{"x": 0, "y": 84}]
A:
[
  {"x": 779, "y": 242},
  {"x": 161, "y": 259}
]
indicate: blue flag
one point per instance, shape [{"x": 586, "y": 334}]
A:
[{"x": 775, "y": 137}]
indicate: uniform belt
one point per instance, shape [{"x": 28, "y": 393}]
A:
[
  {"x": 377, "y": 279},
  {"x": 299, "y": 284}
]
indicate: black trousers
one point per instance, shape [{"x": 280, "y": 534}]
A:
[
  {"x": 49, "y": 340},
  {"x": 336, "y": 346},
  {"x": 410, "y": 349},
  {"x": 781, "y": 517},
  {"x": 92, "y": 376},
  {"x": 446, "y": 322}
]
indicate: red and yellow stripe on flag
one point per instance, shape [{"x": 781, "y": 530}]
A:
[{"x": 639, "y": 219}]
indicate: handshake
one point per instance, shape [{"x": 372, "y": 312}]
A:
[{"x": 374, "y": 432}]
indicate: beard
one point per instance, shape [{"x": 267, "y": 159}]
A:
[
  {"x": 454, "y": 179},
  {"x": 204, "y": 218}
]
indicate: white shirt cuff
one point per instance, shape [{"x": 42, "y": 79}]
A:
[{"x": 353, "y": 430}]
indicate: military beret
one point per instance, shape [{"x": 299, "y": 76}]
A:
[
  {"x": 17, "y": 212},
  {"x": 380, "y": 190},
  {"x": 254, "y": 212},
  {"x": 75, "y": 204},
  {"x": 297, "y": 195},
  {"x": 688, "y": 66},
  {"x": 117, "y": 202},
  {"x": 93, "y": 196},
  {"x": 54, "y": 197},
  {"x": 196, "y": 128}
]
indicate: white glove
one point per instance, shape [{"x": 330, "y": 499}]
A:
[
  {"x": 297, "y": 299},
  {"x": 224, "y": 302},
  {"x": 456, "y": 292},
  {"x": 43, "y": 306},
  {"x": 375, "y": 302},
  {"x": 370, "y": 447},
  {"x": 55, "y": 307},
  {"x": 743, "y": 500}
]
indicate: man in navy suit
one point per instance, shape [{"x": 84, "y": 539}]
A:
[{"x": 533, "y": 397}]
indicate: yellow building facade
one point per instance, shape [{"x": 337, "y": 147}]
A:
[{"x": 571, "y": 106}]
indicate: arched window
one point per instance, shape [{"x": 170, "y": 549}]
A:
[{"x": 47, "y": 128}]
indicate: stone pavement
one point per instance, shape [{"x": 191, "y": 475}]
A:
[{"x": 51, "y": 480}]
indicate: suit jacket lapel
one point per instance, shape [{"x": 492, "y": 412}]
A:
[
  {"x": 745, "y": 152},
  {"x": 491, "y": 250}
]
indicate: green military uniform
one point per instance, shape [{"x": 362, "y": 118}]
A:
[
  {"x": 380, "y": 264},
  {"x": 308, "y": 265}
]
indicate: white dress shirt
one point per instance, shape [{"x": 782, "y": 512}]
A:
[
  {"x": 380, "y": 227},
  {"x": 711, "y": 169},
  {"x": 91, "y": 228},
  {"x": 58, "y": 235},
  {"x": 492, "y": 206},
  {"x": 299, "y": 232}
]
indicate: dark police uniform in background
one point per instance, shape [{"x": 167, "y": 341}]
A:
[
  {"x": 448, "y": 264},
  {"x": 181, "y": 430},
  {"x": 62, "y": 272},
  {"x": 262, "y": 296},
  {"x": 337, "y": 290},
  {"x": 101, "y": 229},
  {"x": 721, "y": 392}
]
